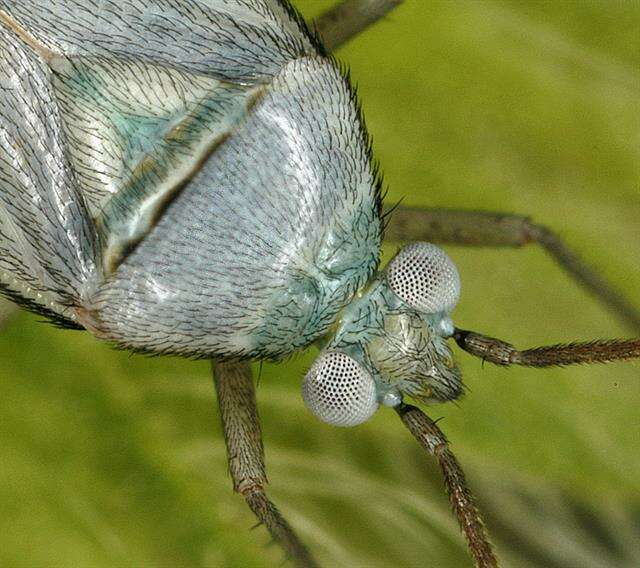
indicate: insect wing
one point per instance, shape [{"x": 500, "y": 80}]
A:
[
  {"x": 223, "y": 163},
  {"x": 115, "y": 100},
  {"x": 47, "y": 243},
  {"x": 259, "y": 252},
  {"x": 240, "y": 41}
]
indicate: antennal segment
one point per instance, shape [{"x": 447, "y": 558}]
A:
[{"x": 502, "y": 353}]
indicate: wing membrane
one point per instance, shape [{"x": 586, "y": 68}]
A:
[
  {"x": 137, "y": 132},
  {"x": 108, "y": 109},
  {"x": 47, "y": 243},
  {"x": 244, "y": 41}
]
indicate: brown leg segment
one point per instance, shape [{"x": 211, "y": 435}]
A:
[
  {"x": 502, "y": 353},
  {"x": 348, "y": 18},
  {"x": 434, "y": 441},
  {"x": 479, "y": 228},
  {"x": 241, "y": 426}
]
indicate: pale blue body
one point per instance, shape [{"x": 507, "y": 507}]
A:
[
  {"x": 193, "y": 177},
  {"x": 177, "y": 184}
]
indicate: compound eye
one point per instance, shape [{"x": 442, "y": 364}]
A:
[
  {"x": 339, "y": 391},
  {"x": 425, "y": 278}
]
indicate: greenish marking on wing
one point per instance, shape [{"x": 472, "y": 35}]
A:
[
  {"x": 171, "y": 158},
  {"x": 138, "y": 133}
]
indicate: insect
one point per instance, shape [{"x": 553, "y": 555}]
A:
[{"x": 147, "y": 214}]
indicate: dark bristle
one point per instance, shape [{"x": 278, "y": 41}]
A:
[{"x": 52, "y": 317}]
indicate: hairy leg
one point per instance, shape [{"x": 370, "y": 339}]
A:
[
  {"x": 348, "y": 18},
  {"x": 432, "y": 439},
  {"x": 242, "y": 434},
  {"x": 479, "y": 228},
  {"x": 502, "y": 353}
]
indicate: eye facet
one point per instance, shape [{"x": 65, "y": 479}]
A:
[
  {"x": 339, "y": 391},
  {"x": 424, "y": 277}
]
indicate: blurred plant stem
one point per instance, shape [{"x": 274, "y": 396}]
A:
[{"x": 7, "y": 310}]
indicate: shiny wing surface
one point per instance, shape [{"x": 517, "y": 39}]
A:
[
  {"x": 137, "y": 95},
  {"x": 240, "y": 41},
  {"x": 47, "y": 242},
  {"x": 276, "y": 232}
]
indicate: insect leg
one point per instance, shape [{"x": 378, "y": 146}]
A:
[
  {"x": 432, "y": 439},
  {"x": 243, "y": 437},
  {"x": 502, "y": 353},
  {"x": 350, "y": 17},
  {"x": 480, "y": 228}
]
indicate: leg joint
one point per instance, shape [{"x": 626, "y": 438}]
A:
[{"x": 247, "y": 487}]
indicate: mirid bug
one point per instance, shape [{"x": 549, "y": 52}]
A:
[{"x": 116, "y": 146}]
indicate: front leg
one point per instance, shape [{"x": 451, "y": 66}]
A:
[{"x": 243, "y": 437}]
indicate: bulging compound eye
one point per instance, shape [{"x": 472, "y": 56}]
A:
[
  {"x": 423, "y": 276},
  {"x": 339, "y": 391}
]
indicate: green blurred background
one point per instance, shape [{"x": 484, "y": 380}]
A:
[{"x": 110, "y": 460}]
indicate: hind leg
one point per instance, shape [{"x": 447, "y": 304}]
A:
[
  {"x": 480, "y": 228},
  {"x": 348, "y": 18}
]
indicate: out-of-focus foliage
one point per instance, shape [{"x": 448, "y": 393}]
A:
[{"x": 110, "y": 460}]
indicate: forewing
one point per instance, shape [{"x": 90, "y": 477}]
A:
[
  {"x": 137, "y": 133},
  {"x": 142, "y": 97},
  {"x": 259, "y": 252},
  {"x": 147, "y": 90},
  {"x": 245, "y": 41},
  {"x": 47, "y": 242}
]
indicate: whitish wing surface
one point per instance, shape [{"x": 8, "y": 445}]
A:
[
  {"x": 131, "y": 97},
  {"x": 240, "y": 41},
  {"x": 47, "y": 243},
  {"x": 276, "y": 232}
]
